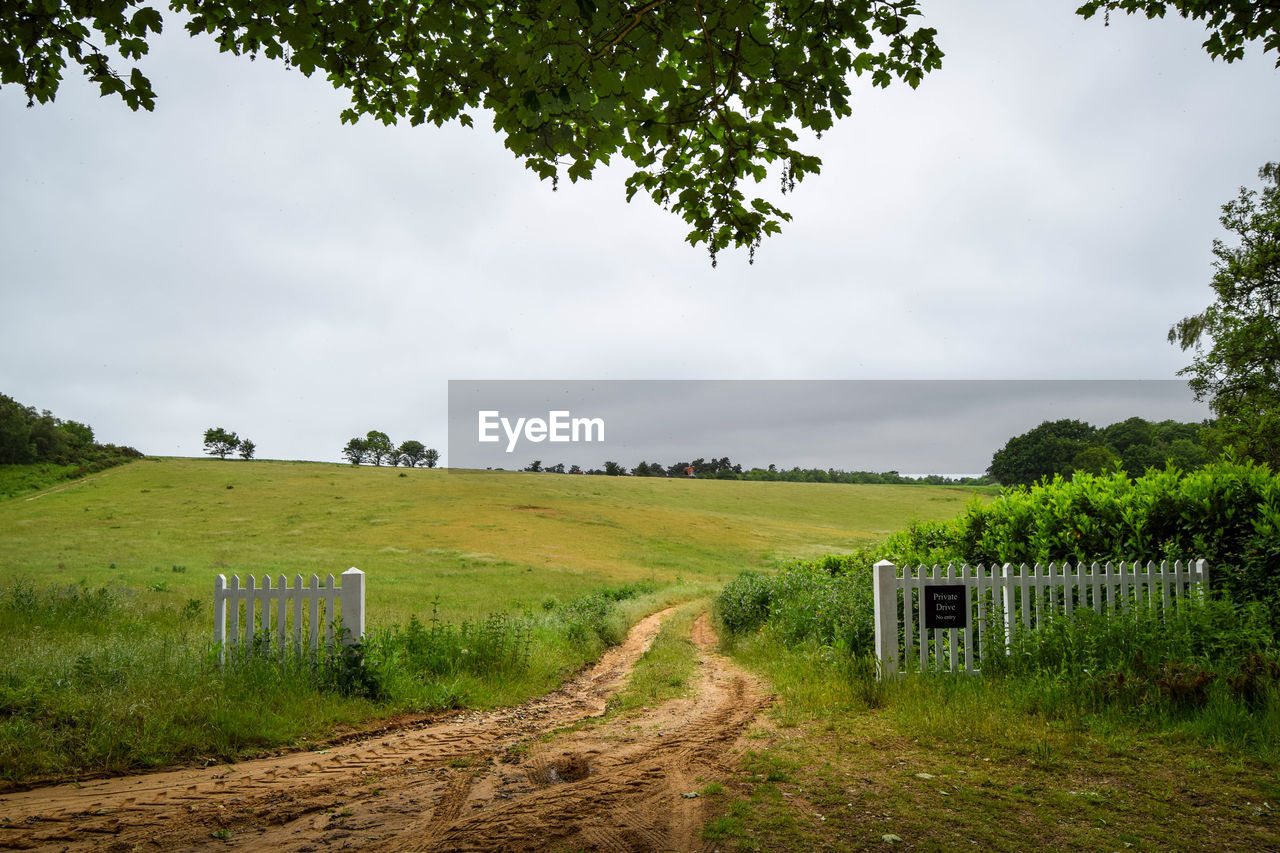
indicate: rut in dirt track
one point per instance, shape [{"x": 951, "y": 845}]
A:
[{"x": 476, "y": 781}]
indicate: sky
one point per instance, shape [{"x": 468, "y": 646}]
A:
[{"x": 1041, "y": 208}]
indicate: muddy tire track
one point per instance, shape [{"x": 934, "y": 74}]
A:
[{"x": 476, "y": 781}]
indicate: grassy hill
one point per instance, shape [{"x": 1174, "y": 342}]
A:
[
  {"x": 478, "y": 541},
  {"x": 106, "y": 591}
]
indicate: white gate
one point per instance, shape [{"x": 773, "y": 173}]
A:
[
  {"x": 998, "y": 599},
  {"x": 231, "y": 627}
]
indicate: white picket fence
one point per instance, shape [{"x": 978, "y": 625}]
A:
[
  {"x": 279, "y": 611},
  {"x": 1001, "y": 599}
]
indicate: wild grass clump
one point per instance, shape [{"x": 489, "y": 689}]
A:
[
  {"x": 34, "y": 476},
  {"x": 594, "y": 618},
  {"x": 107, "y": 680},
  {"x": 827, "y": 601},
  {"x": 1208, "y": 665},
  {"x": 743, "y": 605},
  {"x": 810, "y": 628},
  {"x": 439, "y": 650}
]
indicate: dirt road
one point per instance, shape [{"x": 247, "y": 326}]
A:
[{"x": 478, "y": 781}]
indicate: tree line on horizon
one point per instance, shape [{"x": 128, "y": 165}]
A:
[
  {"x": 1062, "y": 447},
  {"x": 724, "y": 469}
]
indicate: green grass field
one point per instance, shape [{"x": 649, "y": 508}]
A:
[
  {"x": 106, "y": 591},
  {"x": 105, "y": 616},
  {"x": 476, "y": 541}
]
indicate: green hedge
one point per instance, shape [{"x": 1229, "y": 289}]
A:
[{"x": 1227, "y": 513}]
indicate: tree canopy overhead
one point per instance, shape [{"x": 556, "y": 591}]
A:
[
  {"x": 1232, "y": 24},
  {"x": 698, "y": 96},
  {"x": 702, "y": 98}
]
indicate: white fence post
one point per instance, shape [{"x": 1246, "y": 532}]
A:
[
  {"x": 352, "y": 605},
  {"x": 220, "y": 616},
  {"x": 885, "y": 596},
  {"x": 227, "y": 596}
]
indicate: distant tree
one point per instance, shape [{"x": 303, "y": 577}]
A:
[
  {"x": 557, "y": 468},
  {"x": 1186, "y": 455},
  {"x": 378, "y": 446},
  {"x": 1167, "y": 432},
  {"x": 1125, "y": 434},
  {"x": 247, "y": 448},
  {"x": 1065, "y": 447},
  {"x": 535, "y": 467},
  {"x": 430, "y": 457},
  {"x": 16, "y": 447},
  {"x": 218, "y": 442},
  {"x": 79, "y": 436},
  {"x": 1094, "y": 459},
  {"x": 47, "y": 435},
  {"x": 1237, "y": 338},
  {"x": 642, "y": 470},
  {"x": 410, "y": 452},
  {"x": 575, "y": 470},
  {"x": 356, "y": 451},
  {"x": 1138, "y": 458},
  {"x": 1041, "y": 452},
  {"x": 613, "y": 469}
]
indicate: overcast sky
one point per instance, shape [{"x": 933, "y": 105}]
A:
[{"x": 1042, "y": 207}]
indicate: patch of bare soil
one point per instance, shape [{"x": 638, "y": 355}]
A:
[{"x": 478, "y": 781}]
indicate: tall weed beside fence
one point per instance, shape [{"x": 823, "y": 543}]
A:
[
  {"x": 1209, "y": 667},
  {"x": 827, "y": 601}
]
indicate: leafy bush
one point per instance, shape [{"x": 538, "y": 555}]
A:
[
  {"x": 829, "y": 604},
  {"x": 743, "y": 604},
  {"x": 827, "y": 601},
  {"x": 590, "y": 618}
]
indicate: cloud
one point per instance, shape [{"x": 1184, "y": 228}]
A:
[{"x": 1042, "y": 207}]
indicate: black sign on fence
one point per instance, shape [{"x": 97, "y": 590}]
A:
[{"x": 946, "y": 606}]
